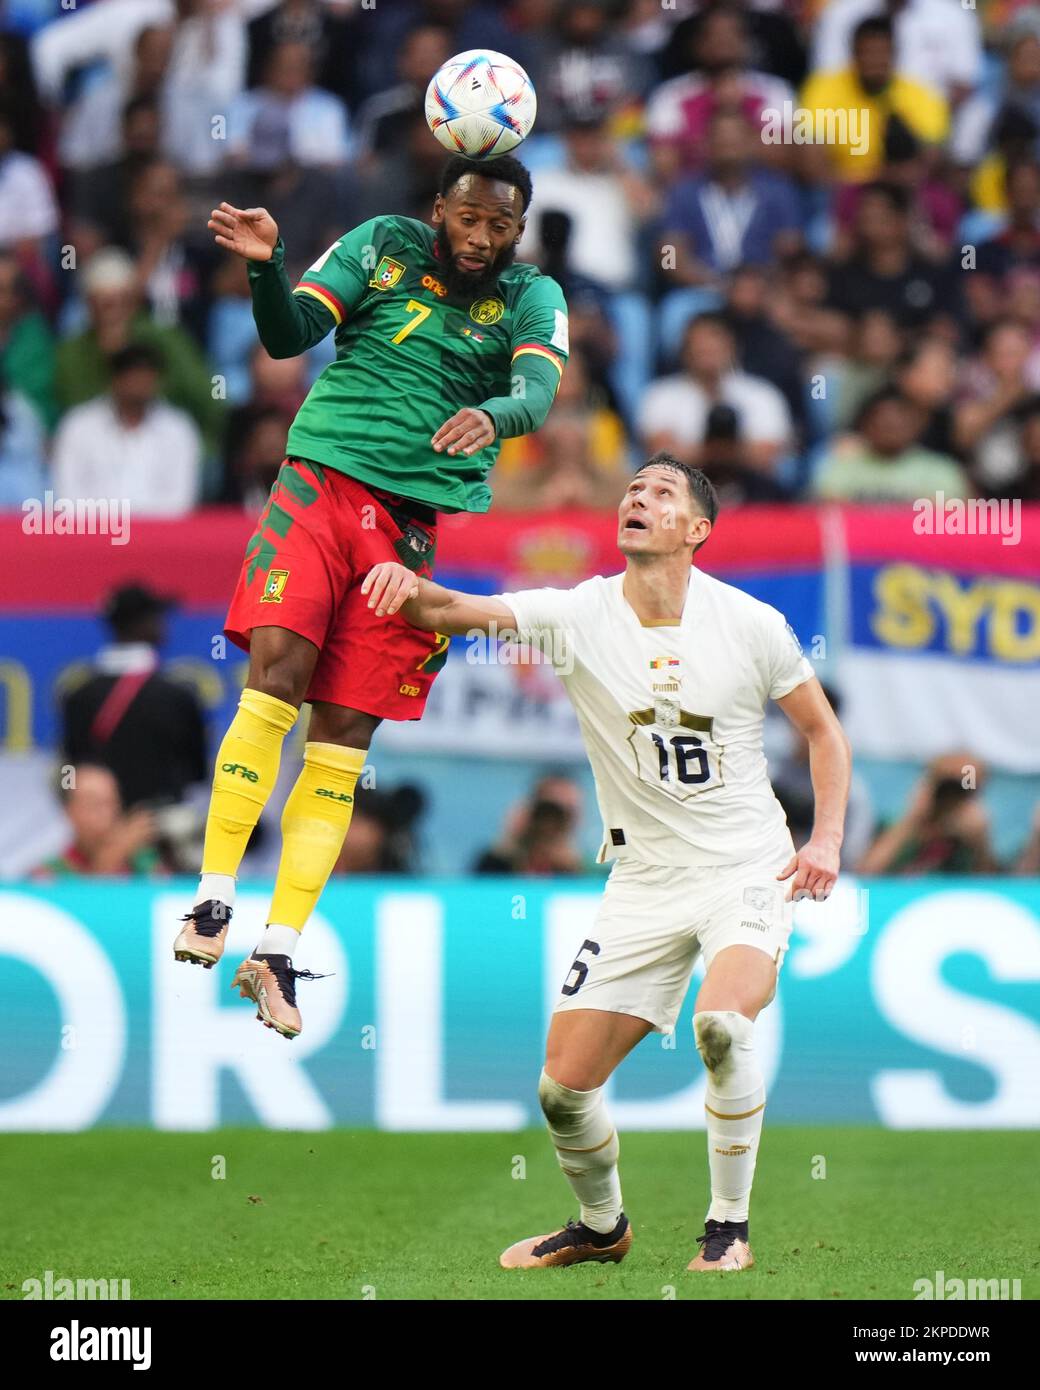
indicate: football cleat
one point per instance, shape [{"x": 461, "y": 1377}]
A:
[
  {"x": 572, "y": 1245},
  {"x": 202, "y": 941},
  {"x": 724, "y": 1245},
  {"x": 270, "y": 981}
]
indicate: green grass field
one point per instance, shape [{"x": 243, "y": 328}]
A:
[{"x": 355, "y": 1214}]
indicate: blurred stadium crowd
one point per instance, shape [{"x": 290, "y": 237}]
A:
[{"x": 856, "y": 318}]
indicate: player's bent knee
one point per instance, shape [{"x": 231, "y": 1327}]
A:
[
  {"x": 558, "y": 1102},
  {"x": 713, "y": 1038},
  {"x": 281, "y": 682},
  {"x": 340, "y": 724}
]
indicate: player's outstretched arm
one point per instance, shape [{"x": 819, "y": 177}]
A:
[
  {"x": 287, "y": 323},
  {"x": 392, "y": 588},
  {"x": 814, "y": 869}
]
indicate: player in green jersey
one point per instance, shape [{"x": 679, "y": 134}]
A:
[{"x": 444, "y": 346}]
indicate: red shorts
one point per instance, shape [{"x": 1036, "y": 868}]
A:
[{"x": 317, "y": 538}]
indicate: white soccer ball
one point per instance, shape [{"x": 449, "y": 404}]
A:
[{"x": 480, "y": 104}]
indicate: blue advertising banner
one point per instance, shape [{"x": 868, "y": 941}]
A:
[
  {"x": 55, "y": 651},
  {"x": 910, "y": 1004}
]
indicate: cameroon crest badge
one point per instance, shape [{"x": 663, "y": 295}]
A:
[
  {"x": 275, "y": 586},
  {"x": 387, "y": 274}
]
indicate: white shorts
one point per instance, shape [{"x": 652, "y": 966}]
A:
[{"x": 655, "y": 920}]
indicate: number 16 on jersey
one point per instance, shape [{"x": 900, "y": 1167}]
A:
[{"x": 681, "y": 763}]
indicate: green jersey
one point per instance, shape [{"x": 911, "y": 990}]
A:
[{"x": 409, "y": 355}]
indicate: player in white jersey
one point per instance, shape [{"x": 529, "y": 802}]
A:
[{"x": 669, "y": 671}]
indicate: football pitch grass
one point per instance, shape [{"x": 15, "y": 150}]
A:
[{"x": 352, "y": 1214}]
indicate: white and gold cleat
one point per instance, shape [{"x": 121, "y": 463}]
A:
[
  {"x": 724, "y": 1246},
  {"x": 270, "y": 981},
  {"x": 202, "y": 940},
  {"x": 574, "y": 1244}
]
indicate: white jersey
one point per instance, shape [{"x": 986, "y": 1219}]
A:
[{"x": 671, "y": 714}]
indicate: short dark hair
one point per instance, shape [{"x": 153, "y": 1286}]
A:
[
  {"x": 913, "y": 350},
  {"x": 875, "y": 25},
  {"x": 715, "y": 8},
  {"x": 885, "y": 395},
  {"x": 504, "y": 168},
  {"x": 135, "y": 355},
  {"x": 710, "y": 318},
  {"x": 700, "y": 485},
  {"x": 895, "y": 195}
]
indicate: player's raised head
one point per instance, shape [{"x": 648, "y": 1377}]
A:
[
  {"x": 669, "y": 506},
  {"x": 479, "y": 216},
  {"x": 462, "y": 176}
]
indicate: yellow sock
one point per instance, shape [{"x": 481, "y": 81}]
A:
[
  {"x": 246, "y": 771},
  {"x": 314, "y": 826}
]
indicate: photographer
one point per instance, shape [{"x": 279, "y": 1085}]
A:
[
  {"x": 384, "y": 832},
  {"x": 103, "y": 839},
  {"x": 539, "y": 833},
  {"x": 944, "y": 830}
]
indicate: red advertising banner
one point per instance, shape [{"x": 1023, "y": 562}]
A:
[{"x": 198, "y": 559}]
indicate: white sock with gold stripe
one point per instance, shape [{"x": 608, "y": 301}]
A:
[
  {"x": 734, "y": 1109},
  {"x": 587, "y": 1148}
]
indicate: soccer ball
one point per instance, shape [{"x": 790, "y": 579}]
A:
[{"x": 480, "y": 104}]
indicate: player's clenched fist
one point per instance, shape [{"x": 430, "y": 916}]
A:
[
  {"x": 389, "y": 586},
  {"x": 250, "y": 232}
]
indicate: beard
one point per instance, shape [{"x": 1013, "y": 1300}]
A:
[{"x": 469, "y": 284}]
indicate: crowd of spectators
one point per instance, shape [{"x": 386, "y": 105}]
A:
[
  {"x": 945, "y": 828},
  {"x": 852, "y": 316}
]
